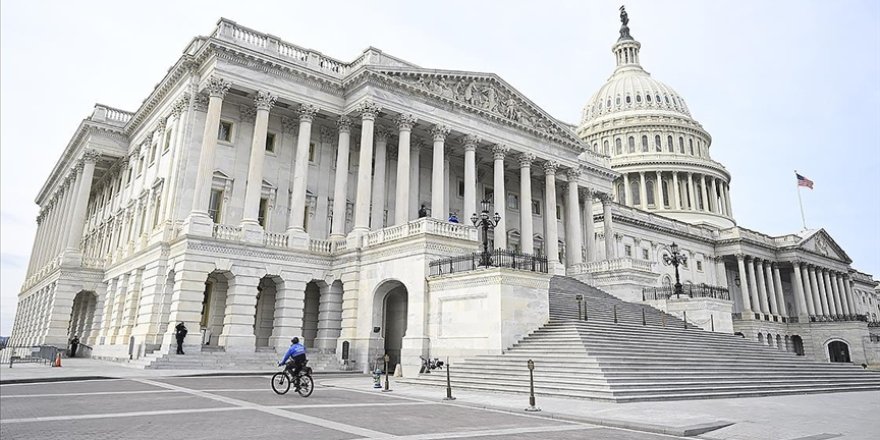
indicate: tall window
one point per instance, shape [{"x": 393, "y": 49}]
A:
[
  {"x": 691, "y": 146},
  {"x": 649, "y": 192},
  {"x": 631, "y": 144},
  {"x": 605, "y": 149},
  {"x": 512, "y": 201},
  {"x": 681, "y": 145},
  {"x": 224, "y": 132},
  {"x": 153, "y": 151},
  {"x": 621, "y": 194},
  {"x": 270, "y": 142},
  {"x": 264, "y": 212},
  {"x": 167, "y": 143},
  {"x": 312, "y": 152},
  {"x": 215, "y": 205},
  {"x": 657, "y": 144},
  {"x": 634, "y": 189},
  {"x": 665, "y": 190},
  {"x": 669, "y": 145},
  {"x": 536, "y": 207},
  {"x": 156, "y": 211},
  {"x": 644, "y": 144},
  {"x": 618, "y": 147}
]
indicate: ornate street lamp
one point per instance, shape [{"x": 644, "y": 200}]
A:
[
  {"x": 483, "y": 220},
  {"x": 675, "y": 259}
]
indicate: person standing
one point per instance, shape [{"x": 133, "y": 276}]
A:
[
  {"x": 423, "y": 212},
  {"x": 180, "y": 333},
  {"x": 74, "y": 344}
]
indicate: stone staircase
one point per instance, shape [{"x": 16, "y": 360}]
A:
[
  {"x": 215, "y": 358},
  {"x": 628, "y": 361}
]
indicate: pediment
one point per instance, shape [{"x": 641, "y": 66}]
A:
[
  {"x": 485, "y": 93},
  {"x": 820, "y": 242}
]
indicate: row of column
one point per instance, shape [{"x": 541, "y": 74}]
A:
[
  {"x": 370, "y": 182},
  {"x": 682, "y": 192},
  {"x": 61, "y": 221},
  {"x": 761, "y": 286},
  {"x": 823, "y": 291},
  {"x": 32, "y": 317}
]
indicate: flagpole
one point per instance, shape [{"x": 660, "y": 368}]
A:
[{"x": 800, "y": 202}]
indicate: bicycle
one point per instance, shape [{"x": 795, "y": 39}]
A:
[{"x": 281, "y": 381}]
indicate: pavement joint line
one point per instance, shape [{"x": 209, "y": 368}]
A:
[
  {"x": 94, "y": 393},
  {"x": 356, "y": 430},
  {"x": 493, "y": 432},
  {"x": 50, "y": 380},
  {"x": 350, "y": 405},
  {"x": 116, "y": 415}
]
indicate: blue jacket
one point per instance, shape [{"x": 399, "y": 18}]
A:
[{"x": 294, "y": 350}]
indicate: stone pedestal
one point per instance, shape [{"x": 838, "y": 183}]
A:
[
  {"x": 199, "y": 225},
  {"x": 297, "y": 239},
  {"x": 252, "y": 233}
]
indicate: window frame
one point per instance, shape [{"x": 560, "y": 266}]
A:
[{"x": 230, "y": 133}]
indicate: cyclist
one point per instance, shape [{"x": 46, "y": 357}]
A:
[{"x": 296, "y": 355}]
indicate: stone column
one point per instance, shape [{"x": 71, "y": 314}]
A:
[
  {"x": 498, "y": 153},
  {"x": 676, "y": 193},
  {"x": 368, "y": 110},
  {"x": 780, "y": 295},
  {"x": 744, "y": 285},
  {"x": 589, "y": 227},
  {"x": 643, "y": 194},
  {"x": 727, "y": 200},
  {"x": 217, "y": 88},
  {"x": 525, "y": 209},
  {"x": 573, "y": 211},
  {"x": 829, "y": 292},
  {"x": 690, "y": 189},
  {"x": 447, "y": 153},
  {"x": 771, "y": 290},
  {"x": 658, "y": 192},
  {"x": 820, "y": 305},
  {"x": 250, "y": 221},
  {"x": 414, "y": 171},
  {"x": 74, "y": 180},
  {"x": 762, "y": 286},
  {"x": 844, "y": 301},
  {"x": 799, "y": 296},
  {"x": 402, "y": 209},
  {"x": 813, "y": 308},
  {"x": 753, "y": 286},
  {"x": 705, "y": 193},
  {"x": 378, "y": 200},
  {"x": 329, "y": 317},
  {"x": 551, "y": 239},
  {"x": 470, "y": 176},
  {"x": 608, "y": 226},
  {"x": 839, "y": 297},
  {"x": 720, "y": 272},
  {"x": 296, "y": 222},
  {"x": 848, "y": 285},
  {"x": 238, "y": 322},
  {"x": 825, "y": 292},
  {"x": 439, "y": 133},
  {"x": 86, "y": 174},
  {"x": 627, "y": 193},
  {"x": 340, "y": 180}
]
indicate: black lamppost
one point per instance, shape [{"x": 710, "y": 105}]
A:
[
  {"x": 675, "y": 259},
  {"x": 486, "y": 223}
]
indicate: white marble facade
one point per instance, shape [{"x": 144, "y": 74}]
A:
[{"x": 264, "y": 191}]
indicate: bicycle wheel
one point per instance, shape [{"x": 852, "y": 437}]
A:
[
  {"x": 280, "y": 383},
  {"x": 306, "y": 386}
]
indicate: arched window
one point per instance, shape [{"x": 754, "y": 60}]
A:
[
  {"x": 609, "y": 102},
  {"x": 644, "y": 143},
  {"x": 628, "y": 99},
  {"x": 669, "y": 145},
  {"x": 667, "y": 100},
  {"x": 595, "y": 147},
  {"x": 648, "y": 97},
  {"x": 618, "y": 147},
  {"x": 621, "y": 194},
  {"x": 658, "y": 98},
  {"x": 617, "y": 100},
  {"x": 691, "y": 146},
  {"x": 657, "y": 144},
  {"x": 649, "y": 192},
  {"x": 639, "y": 98},
  {"x": 681, "y": 145},
  {"x": 665, "y": 188},
  {"x": 605, "y": 148},
  {"x": 631, "y": 143},
  {"x": 634, "y": 188}
]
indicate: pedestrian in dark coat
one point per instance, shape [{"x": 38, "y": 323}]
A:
[{"x": 180, "y": 333}]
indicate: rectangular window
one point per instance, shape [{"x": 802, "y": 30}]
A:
[
  {"x": 558, "y": 212},
  {"x": 156, "y": 211},
  {"x": 489, "y": 194},
  {"x": 312, "y": 152},
  {"x": 644, "y": 254},
  {"x": 224, "y": 132},
  {"x": 628, "y": 250},
  {"x": 215, "y": 205},
  {"x": 700, "y": 266},
  {"x": 264, "y": 212},
  {"x": 536, "y": 207},
  {"x": 153, "y": 152},
  {"x": 512, "y": 201},
  {"x": 140, "y": 165},
  {"x": 460, "y": 188},
  {"x": 270, "y": 142},
  {"x": 167, "y": 144}
]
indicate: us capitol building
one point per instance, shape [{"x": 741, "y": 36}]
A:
[{"x": 263, "y": 191}]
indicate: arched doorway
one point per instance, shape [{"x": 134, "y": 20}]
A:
[
  {"x": 264, "y": 316},
  {"x": 797, "y": 344},
  {"x": 213, "y": 308},
  {"x": 838, "y": 351},
  {"x": 390, "y": 317},
  {"x": 82, "y": 316},
  {"x": 310, "y": 313}
]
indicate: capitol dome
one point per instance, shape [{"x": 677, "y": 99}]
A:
[{"x": 662, "y": 153}]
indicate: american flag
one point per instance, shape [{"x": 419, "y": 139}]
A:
[{"x": 803, "y": 181}]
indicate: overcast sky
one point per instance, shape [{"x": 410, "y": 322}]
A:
[{"x": 779, "y": 85}]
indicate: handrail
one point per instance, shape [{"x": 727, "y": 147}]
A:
[
  {"x": 689, "y": 290},
  {"x": 497, "y": 258}
]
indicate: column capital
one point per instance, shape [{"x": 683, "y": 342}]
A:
[
  {"x": 159, "y": 127},
  {"x": 439, "y": 132},
  {"x": 499, "y": 151},
  {"x": 740, "y": 256},
  {"x": 307, "y": 112},
  {"x": 406, "y": 121},
  {"x": 573, "y": 174},
  {"x": 470, "y": 142},
  {"x": 217, "y": 87},
  {"x": 550, "y": 168},
  {"x": 605, "y": 198},
  {"x": 368, "y": 110},
  {"x": 586, "y": 193},
  {"x": 180, "y": 105},
  {"x": 526, "y": 159},
  {"x": 343, "y": 124},
  {"x": 264, "y": 100},
  {"x": 382, "y": 134},
  {"x": 90, "y": 155}
]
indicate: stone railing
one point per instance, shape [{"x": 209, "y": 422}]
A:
[
  {"x": 425, "y": 225},
  {"x": 615, "y": 264},
  {"x": 839, "y": 318},
  {"x": 231, "y": 31},
  {"x": 667, "y": 158},
  {"x": 227, "y": 232},
  {"x": 92, "y": 262},
  {"x": 103, "y": 113},
  {"x": 327, "y": 247},
  {"x": 275, "y": 239}
]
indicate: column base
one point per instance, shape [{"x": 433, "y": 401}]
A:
[
  {"x": 71, "y": 258},
  {"x": 355, "y": 238},
  {"x": 198, "y": 224},
  {"x": 297, "y": 239},
  {"x": 252, "y": 232}
]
